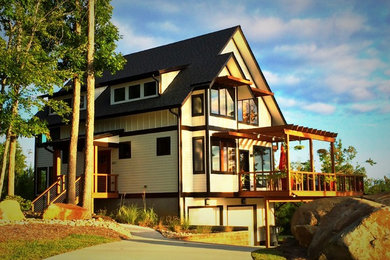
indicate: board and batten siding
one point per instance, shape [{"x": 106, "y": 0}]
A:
[
  {"x": 158, "y": 173},
  {"x": 44, "y": 158},
  {"x": 143, "y": 121},
  {"x": 191, "y": 182}
]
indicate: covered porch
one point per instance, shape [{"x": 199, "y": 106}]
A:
[{"x": 283, "y": 182}]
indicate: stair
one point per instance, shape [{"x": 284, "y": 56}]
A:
[{"x": 56, "y": 193}]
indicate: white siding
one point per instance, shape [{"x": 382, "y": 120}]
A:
[
  {"x": 191, "y": 182},
  {"x": 159, "y": 173},
  {"x": 186, "y": 111},
  {"x": 167, "y": 78}
]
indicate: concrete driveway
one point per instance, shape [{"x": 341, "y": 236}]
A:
[{"x": 149, "y": 244}]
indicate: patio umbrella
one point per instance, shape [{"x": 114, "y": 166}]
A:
[{"x": 282, "y": 161}]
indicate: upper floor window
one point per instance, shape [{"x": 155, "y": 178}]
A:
[
  {"x": 134, "y": 92},
  {"x": 197, "y": 105},
  {"x": 197, "y": 154},
  {"x": 222, "y": 102},
  {"x": 223, "y": 156},
  {"x": 248, "y": 111},
  {"x": 163, "y": 146},
  {"x": 124, "y": 150}
]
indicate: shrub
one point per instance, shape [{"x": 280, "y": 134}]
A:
[
  {"x": 148, "y": 218},
  {"x": 128, "y": 214},
  {"x": 25, "y": 205},
  {"x": 185, "y": 225},
  {"x": 203, "y": 229},
  {"x": 172, "y": 223}
]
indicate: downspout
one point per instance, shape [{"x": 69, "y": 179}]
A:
[
  {"x": 158, "y": 83},
  {"x": 179, "y": 156}
]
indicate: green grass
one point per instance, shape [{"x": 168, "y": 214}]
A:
[
  {"x": 267, "y": 254},
  {"x": 45, "y": 248}
]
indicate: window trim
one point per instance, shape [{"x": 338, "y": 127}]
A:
[
  {"x": 192, "y": 105},
  {"x": 226, "y": 103},
  {"x": 157, "y": 146},
  {"x": 193, "y": 155},
  {"x": 119, "y": 150},
  {"x": 127, "y": 87}
]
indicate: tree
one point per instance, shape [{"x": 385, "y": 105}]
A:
[
  {"x": 343, "y": 160},
  {"x": 29, "y": 51}
]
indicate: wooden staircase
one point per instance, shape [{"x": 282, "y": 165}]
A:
[{"x": 56, "y": 193}]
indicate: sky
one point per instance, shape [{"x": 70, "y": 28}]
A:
[{"x": 328, "y": 62}]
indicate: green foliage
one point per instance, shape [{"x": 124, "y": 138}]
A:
[
  {"x": 24, "y": 184},
  {"x": 41, "y": 249},
  {"x": 283, "y": 216},
  {"x": 128, "y": 214},
  {"x": 172, "y": 223},
  {"x": 148, "y": 218},
  {"x": 204, "y": 229},
  {"x": 20, "y": 158},
  {"x": 25, "y": 205},
  {"x": 376, "y": 186},
  {"x": 343, "y": 160},
  {"x": 267, "y": 254}
]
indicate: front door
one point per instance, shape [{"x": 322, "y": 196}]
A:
[
  {"x": 244, "y": 167},
  {"x": 104, "y": 168}
]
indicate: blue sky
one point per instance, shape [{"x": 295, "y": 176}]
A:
[{"x": 328, "y": 62}]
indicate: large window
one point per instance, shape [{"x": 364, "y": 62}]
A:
[
  {"x": 124, "y": 150},
  {"x": 197, "y": 105},
  {"x": 197, "y": 154},
  {"x": 262, "y": 158},
  {"x": 222, "y": 102},
  {"x": 163, "y": 146},
  {"x": 247, "y": 111},
  {"x": 223, "y": 156},
  {"x": 133, "y": 92}
]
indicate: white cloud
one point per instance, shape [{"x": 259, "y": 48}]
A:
[
  {"x": 166, "y": 26},
  {"x": 277, "y": 79},
  {"x": 287, "y": 102},
  {"x": 132, "y": 42},
  {"x": 320, "y": 108},
  {"x": 363, "y": 108}
]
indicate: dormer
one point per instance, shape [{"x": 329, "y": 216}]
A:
[{"x": 134, "y": 90}]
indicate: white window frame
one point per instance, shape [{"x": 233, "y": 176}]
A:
[{"x": 141, "y": 83}]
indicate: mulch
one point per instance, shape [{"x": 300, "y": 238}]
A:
[{"x": 32, "y": 232}]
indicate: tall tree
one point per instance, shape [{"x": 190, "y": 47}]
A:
[
  {"x": 29, "y": 40},
  {"x": 89, "y": 148}
]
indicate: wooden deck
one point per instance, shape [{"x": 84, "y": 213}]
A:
[{"x": 305, "y": 185}]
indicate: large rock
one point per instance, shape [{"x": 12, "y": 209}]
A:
[
  {"x": 65, "y": 212},
  {"x": 307, "y": 217},
  {"x": 10, "y": 210},
  {"x": 353, "y": 229}
]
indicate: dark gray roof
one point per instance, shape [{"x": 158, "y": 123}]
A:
[{"x": 198, "y": 57}]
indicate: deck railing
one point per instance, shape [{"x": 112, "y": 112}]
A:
[
  {"x": 105, "y": 183},
  {"x": 41, "y": 202},
  {"x": 300, "y": 181}
]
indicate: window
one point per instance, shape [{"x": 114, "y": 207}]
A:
[
  {"x": 248, "y": 111},
  {"x": 262, "y": 158},
  {"x": 222, "y": 102},
  {"x": 134, "y": 92},
  {"x": 65, "y": 154},
  {"x": 223, "y": 157},
  {"x": 41, "y": 179},
  {"x": 163, "y": 146},
  {"x": 125, "y": 150},
  {"x": 197, "y": 154},
  {"x": 119, "y": 94},
  {"x": 197, "y": 105}
]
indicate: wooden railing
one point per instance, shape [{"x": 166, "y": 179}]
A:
[
  {"x": 105, "y": 183},
  {"x": 52, "y": 192},
  {"x": 300, "y": 181}
]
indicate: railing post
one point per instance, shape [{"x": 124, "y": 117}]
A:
[
  {"x": 48, "y": 198},
  {"x": 239, "y": 181}
]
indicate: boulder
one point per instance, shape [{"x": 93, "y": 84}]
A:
[
  {"x": 10, "y": 210},
  {"x": 307, "y": 217},
  {"x": 353, "y": 229},
  {"x": 65, "y": 212}
]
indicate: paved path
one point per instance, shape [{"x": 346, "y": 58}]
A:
[{"x": 149, "y": 244}]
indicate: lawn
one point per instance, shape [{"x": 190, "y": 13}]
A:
[
  {"x": 267, "y": 254},
  {"x": 39, "y": 241}
]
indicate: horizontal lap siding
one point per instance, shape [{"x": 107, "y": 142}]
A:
[
  {"x": 159, "y": 173},
  {"x": 44, "y": 158}
]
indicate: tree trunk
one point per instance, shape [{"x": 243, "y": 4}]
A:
[
  {"x": 11, "y": 166},
  {"x": 7, "y": 144},
  {"x": 89, "y": 149},
  {"x": 72, "y": 164}
]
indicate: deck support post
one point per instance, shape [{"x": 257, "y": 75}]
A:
[
  {"x": 312, "y": 163},
  {"x": 267, "y": 231},
  {"x": 333, "y": 163},
  {"x": 95, "y": 168},
  {"x": 57, "y": 167}
]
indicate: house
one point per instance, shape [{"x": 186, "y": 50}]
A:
[{"x": 192, "y": 127}]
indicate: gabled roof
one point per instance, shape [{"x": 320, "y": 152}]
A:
[{"x": 199, "y": 59}]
